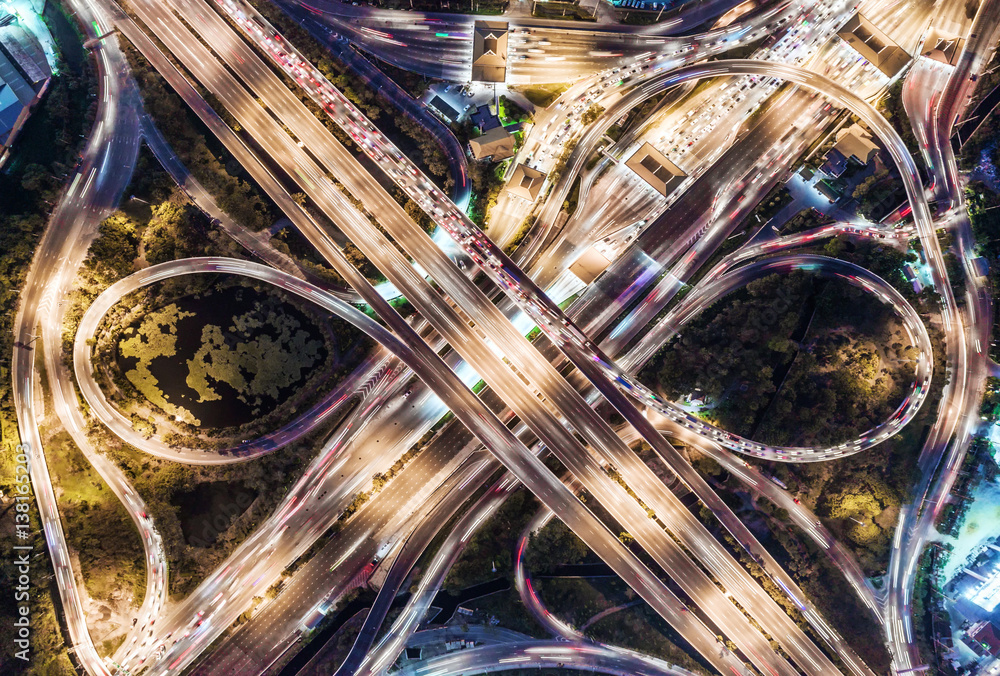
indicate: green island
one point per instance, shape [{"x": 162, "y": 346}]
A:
[
  {"x": 220, "y": 358},
  {"x": 831, "y": 364}
]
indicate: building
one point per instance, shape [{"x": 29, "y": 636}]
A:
[
  {"x": 942, "y": 46},
  {"x": 654, "y": 168},
  {"x": 24, "y": 77},
  {"x": 871, "y": 43},
  {"x": 589, "y": 265},
  {"x": 983, "y": 639},
  {"x": 495, "y": 144},
  {"x": 489, "y": 51},
  {"x": 526, "y": 182},
  {"x": 826, "y": 189},
  {"x": 440, "y": 105},
  {"x": 854, "y": 144}
]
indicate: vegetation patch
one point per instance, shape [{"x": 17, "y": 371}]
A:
[
  {"x": 258, "y": 352},
  {"x": 792, "y": 360},
  {"x": 879, "y": 194},
  {"x": 807, "y": 219},
  {"x": 489, "y": 552},
  {"x": 203, "y": 512},
  {"x": 798, "y": 554},
  {"x": 208, "y": 509},
  {"x": 542, "y": 95},
  {"x": 487, "y": 183},
  {"x": 97, "y": 526},
  {"x": 38, "y": 168},
  {"x": 220, "y": 357}
]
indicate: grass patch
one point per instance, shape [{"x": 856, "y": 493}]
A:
[
  {"x": 97, "y": 526},
  {"x": 542, "y": 95}
]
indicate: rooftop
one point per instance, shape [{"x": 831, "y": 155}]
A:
[
  {"x": 442, "y": 107},
  {"x": 489, "y": 51},
  {"x": 942, "y": 46},
  {"x": 24, "y": 74},
  {"x": 654, "y": 168},
  {"x": 496, "y": 143},
  {"x": 854, "y": 142},
  {"x": 877, "y": 47},
  {"x": 589, "y": 265},
  {"x": 526, "y": 182}
]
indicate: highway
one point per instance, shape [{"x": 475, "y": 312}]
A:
[
  {"x": 108, "y": 159},
  {"x": 937, "y": 109},
  {"x": 541, "y": 50},
  {"x": 714, "y": 289},
  {"x": 261, "y": 175},
  {"x": 923, "y": 221},
  {"x": 758, "y": 482},
  {"x": 200, "y": 632},
  {"x": 417, "y": 541},
  {"x": 542, "y": 655},
  {"x": 403, "y": 277},
  {"x": 481, "y": 336},
  {"x": 419, "y": 604}
]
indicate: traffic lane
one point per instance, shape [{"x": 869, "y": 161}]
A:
[
  {"x": 602, "y": 541},
  {"x": 457, "y": 162},
  {"x": 446, "y": 269},
  {"x": 576, "y": 406},
  {"x": 444, "y": 503},
  {"x": 328, "y": 574},
  {"x": 115, "y": 138}
]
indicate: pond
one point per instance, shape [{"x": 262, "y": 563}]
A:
[{"x": 222, "y": 359}]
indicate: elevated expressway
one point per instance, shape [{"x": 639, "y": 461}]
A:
[
  {"x": 541, "y": 51},
  {"x": 704, "y": 295},
  {"x": 934, "y": 107},
  {"x": 583, "y": 367},
  {"x": 885, "y": 132},
  {"x": 657, "y": 599},
  {"x": 177, "y": 653},
  {"x": 442, "y": 272},
  {"x": 543, "y": 655},
  {"x": 609, "y": 548}
]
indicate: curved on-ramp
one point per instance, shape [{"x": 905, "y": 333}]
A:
[
  {"x": 543, "y": 655},
  {"x": 551, "y": 320},
  {"x": 121, "y": 426},
  {"x": 706, "y": 295}
]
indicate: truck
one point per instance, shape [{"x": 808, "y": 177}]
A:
[
  {"x": 777, "y": 481},
  {"x": 316, "y": 616},
  {"x": 382, "y": 552}
]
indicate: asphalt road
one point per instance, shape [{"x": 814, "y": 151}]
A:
[
  {"x": 602, "y": 541},
  {"x": 565, "y": 400},
  {"x": 97, "y": 185},
  {"x": 403, "y": 277}
]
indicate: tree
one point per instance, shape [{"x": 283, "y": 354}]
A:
[
  {"x": 113, "y": 253},
  {"x": 554, "y": 545},
  {"x": 594, "y": 112},
  {"x": 35, "y": 178}
]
